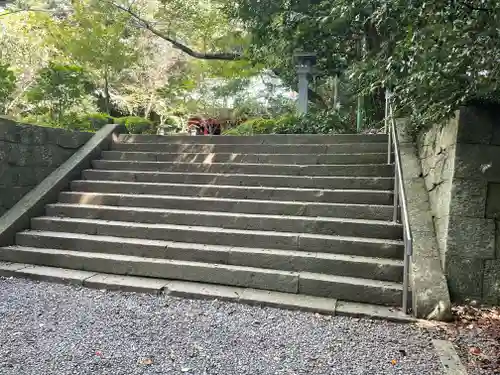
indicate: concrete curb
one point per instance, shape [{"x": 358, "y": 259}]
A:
[
  {"x": 33, "y": 203},
  {"x": 430, "y": 295},
  {"x": 195, "y": 290},
  {"x": 449, "y": 358}
]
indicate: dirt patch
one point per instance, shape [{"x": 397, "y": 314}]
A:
[{"x": 475, "y": 333}]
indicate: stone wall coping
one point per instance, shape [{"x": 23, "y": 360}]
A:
[
  {"x": 430, "y": 294},
  {"x": 33, "y": 203}
]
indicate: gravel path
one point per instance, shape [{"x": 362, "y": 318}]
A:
[{"x": 56, "y": 329}]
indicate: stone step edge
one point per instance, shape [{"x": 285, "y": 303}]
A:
[
  {"x": 296, "y": 166},
  {"x": 232, "y": 200},
  {"x": 360, "y": 259},
  {"x": 230, "y": 215},
  {"x": 112, "y": 152},
  {"x": 195, "y": 290},
  {"x": 234, "y": 187},
  {"x": 229, "y": 174},
  {"x": 201, "y": 228}
]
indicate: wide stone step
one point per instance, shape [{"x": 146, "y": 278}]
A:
[
  {"x": 367, "y": 158},
  {"x": 371, "y": 247},
  {"x": 272, "y": 139},
  {"x": 365, "y": 170},
  {"x": 353, "y": 289},
  {"x": 237, "y": 192},
  {"x": 198, "y": 148},
  {"x": 280, "y": 223},
  {"x": 285, "y": 260},
  {"x": 265, "y": 207},
  {"x": 314, "y": 182},
  {"x": 190, "y": 289}
]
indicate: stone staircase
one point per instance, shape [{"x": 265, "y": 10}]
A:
[{"x": 300, "y": 214}]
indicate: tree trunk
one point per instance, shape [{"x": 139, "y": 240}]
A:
[
  {"x": 106, "y": 91},
  {"x": 147, "y": 112}
]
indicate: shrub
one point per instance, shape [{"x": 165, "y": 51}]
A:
[
  {"x": 313, "y": 123},
  {"x": 253, "y": 126},
  {"x": 136, "y": 125},
  {"x": 98, "y": 120}
]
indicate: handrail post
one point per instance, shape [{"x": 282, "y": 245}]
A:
[
  {"x": 395, "y": 212},
  {"x": 388, "y": 124},
  {"x": 406, "y": 273}
]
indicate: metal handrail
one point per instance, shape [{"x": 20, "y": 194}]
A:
[{"x": 400, "y": 202}]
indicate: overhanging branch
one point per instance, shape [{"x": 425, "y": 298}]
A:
[
  {"x": 8, "y": 13},
  {"x": 472, "y": 7},
  {"x": 227, "y": 56}
]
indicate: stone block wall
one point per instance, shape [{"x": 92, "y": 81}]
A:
[
  {"x": 28, "y": 154},
  {"x": 461, "y": 167}
]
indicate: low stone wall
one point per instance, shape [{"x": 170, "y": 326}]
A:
[
  {"x": 461, "y": 167},
  {"x": 28, "y": 154}
]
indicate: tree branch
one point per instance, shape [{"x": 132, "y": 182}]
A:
[
  {"x": 228, "y": 56},
  {"x": 8, "y": 13},
  {"x": 472, "y": 7}
]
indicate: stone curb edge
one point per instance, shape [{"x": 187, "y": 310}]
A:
[{"x": 449, "y": 358}]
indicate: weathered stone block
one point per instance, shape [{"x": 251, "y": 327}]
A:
[
  {"x": 465, "y": 277},
  {"x": 448, "y": 133},
  {"x": 14, "y": 132},
  {"x": 440, "y": 198},
  {"x": 441, "y": 226},
  {"x": 10, "y": 195},
  {"x": 478, "y": 162},
  {"x": 410, "y": 164},
  {"x": 493, "y": 200},
  {"x": 475, "y": 125},
  {"x": 67, "y": 139},
  {"x": 30, "y": 176},
  {"x": 491, "y": 282},
  {"x": 431, "y": 298},
  {"x": 405, "y": 131},
  {"x": 497, "y": 239},
  {"x": 468, "y": 197},
  {"x": 471, "y": 238},
  {"x": 416, "y": 194},
  {"x": 439, "y": 167},
  {"x": 495, "y": 140}
]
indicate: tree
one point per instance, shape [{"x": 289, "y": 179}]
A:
[
  {"x": 57, "y": 88},
  {"x": 98, "y": 36},
  {"x": 435, "y": 55},
  {"x": 7, "y": 85}
]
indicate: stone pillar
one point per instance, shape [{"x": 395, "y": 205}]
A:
[{"x": 303, "y": 71}]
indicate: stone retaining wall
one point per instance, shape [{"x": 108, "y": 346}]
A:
[
  {"x": 28, "y": 154},
  {"x": 461, "y": 167}
]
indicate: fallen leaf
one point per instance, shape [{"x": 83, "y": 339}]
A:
[
  {"x": 393, "y": 362},
  {"x": 474, "y": 350},
  {"x": 146, "y": 361}
]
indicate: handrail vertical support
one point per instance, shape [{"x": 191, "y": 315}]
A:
[
  {"x": 388, "y": 126},
  {"x": 395, "y": 212}
]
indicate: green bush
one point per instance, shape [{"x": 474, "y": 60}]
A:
[
  {"x": 314, "y": 123},
  {"x": 98, "y": 120},
  {"x": 137, "y": 125},
  {"x": 253, "y": 126}
]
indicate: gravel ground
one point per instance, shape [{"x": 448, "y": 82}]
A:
[{"x": 56, "y": 329}]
